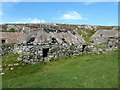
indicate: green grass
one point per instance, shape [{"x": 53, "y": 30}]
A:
[
  {"x": 87, "y": 35},
  {"x": 101, "y": 46},
  {"x": 86, "y": 71},
  {"x": 9, "y": 58},
  {"x": 7, "y": 44}
]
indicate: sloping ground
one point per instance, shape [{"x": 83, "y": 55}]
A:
[
  {"x": 86, "y": 34},
  {"x": 86, "y": 71}
]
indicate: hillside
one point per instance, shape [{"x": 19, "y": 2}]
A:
[
  {"x": 86, "y": 34},
  {"x": 20, "y": 27}
]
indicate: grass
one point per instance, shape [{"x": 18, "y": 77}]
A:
[
  {"x": 7, "y": 44},
  {"x": 9, "y": 58},
  {"x": 87, "y": 35},
  {"x": 86, "y": 71},
  {"x": 101, "y": 46}
]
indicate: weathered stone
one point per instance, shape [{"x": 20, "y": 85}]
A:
[
  {"x": 19, "y": 59},
  {"x": 16, "y": 64},
  {"x": 2, "y": 73},
  {"x": 10, "y": 65},
  {"x": 11, "y": 68},
  {"x": 31, "y": 60}
]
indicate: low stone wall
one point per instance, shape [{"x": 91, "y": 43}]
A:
[
  {"x": 34, "y": 54},
  {"x": 95, "y": 50},
  {"x": 5, "y": 50}
]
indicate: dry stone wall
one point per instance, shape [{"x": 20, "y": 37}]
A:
[
  {"x": 34, "y": 54},
  {"x": 5, "y": 50}
]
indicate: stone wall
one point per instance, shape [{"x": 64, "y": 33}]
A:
[
  {"x": 5, "y": 50},
  {"x": 34, "y": 54}
]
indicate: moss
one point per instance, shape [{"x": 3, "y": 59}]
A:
[{"x": 7, "y": 44}]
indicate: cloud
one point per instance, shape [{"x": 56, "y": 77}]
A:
[
  {"x": 88, "y": 3},
  {"x": 73, "y": 15},
  {"x": 111, "y": 24},
  {"x": 35, "y": 20},
  {"x": 28, "y": 20}
]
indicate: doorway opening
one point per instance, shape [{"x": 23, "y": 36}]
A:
[
  {"x": 45, "y": 52},
  {"x": 3, "y": 41}
]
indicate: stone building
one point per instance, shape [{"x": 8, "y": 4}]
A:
[
  {"x": 45, "y": 36},
  {"x": 108, "y": 37},
  {"x": 49, "y": 44},
  {"x": 11, "y": 37},
  {"x": 7, "y": 41}
]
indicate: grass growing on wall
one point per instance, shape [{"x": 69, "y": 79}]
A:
[
  {"x": 86, "y": 34},
  {"x": 7, "y": 44}
]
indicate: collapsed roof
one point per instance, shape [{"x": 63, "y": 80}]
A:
[
  {"x": 59, "y": 36},
  {"x": 105, "y": 33}
]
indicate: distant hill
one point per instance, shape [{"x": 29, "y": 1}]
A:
[{"x": 20, "y": 27}]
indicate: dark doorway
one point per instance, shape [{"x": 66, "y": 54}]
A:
[
  {"x": 30, "y": 40},
  {"x": 83, "y": 48},
  {"x": 45, "y": 52},
  {"x": 101, "y": 35},
  {"x": 3, "y": 40}
]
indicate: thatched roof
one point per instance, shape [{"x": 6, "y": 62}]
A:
[
  {"x": 42, "y": 36},
  {"x": 105, "y": 33},
  {"x": 12, "y": 37}
]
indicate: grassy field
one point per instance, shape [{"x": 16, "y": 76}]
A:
[
  {"x": 9, "y": 58},
  {"x": 86, "y": 71}
]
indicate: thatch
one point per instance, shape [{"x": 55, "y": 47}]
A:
[{"x": 12, "y": 37}]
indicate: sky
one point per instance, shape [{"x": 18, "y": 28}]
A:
[{"x": 92, "y": 13}]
